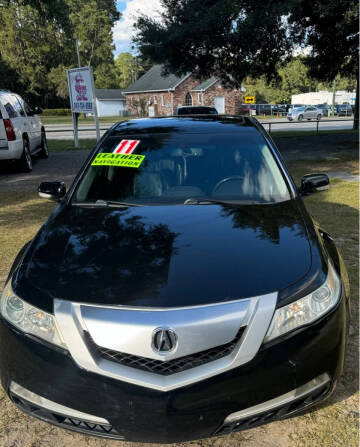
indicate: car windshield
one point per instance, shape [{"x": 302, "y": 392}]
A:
[
  {"x": 178, "y": 166},
  {"x": 299, "y": 109}
]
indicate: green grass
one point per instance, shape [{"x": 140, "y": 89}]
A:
[
  {"x": 68, "y": 145},
  {"x": 89, "y": 120}
]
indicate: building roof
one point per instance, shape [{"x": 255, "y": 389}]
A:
[
  {"x": 205, "y": 85},
  {"x": 109, "y": 94},
  {"x": 154, "y": 81}
]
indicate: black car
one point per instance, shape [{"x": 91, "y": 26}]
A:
[
  {"x": 343, "y": 110},
  {"x": 180, "y": 289},
  {"x": 196, "y": 110}
]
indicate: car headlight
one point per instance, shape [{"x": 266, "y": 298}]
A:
[
  {"x": 307, "y": 309},
  {"x": 29, "y": 319}
]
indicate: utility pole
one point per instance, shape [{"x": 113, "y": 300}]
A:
[
  {"x": 333, "y": 98},
  {"x": 77, "y": 44}
]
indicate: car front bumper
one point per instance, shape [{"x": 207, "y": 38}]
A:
[{"x": 134, "y": 413}]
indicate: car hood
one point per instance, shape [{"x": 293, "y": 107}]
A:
[{"x": 165, "y": 256}]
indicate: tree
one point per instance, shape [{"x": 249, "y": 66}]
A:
[
  {"x": 37, "y": 42},
  {"x": 124, "y": 63},
  {"x": 295, "y": 77},
  {"x": 331, "y": 29},
  {"x": 58, "y": 80},
  {"x": 239, "y": 38}
]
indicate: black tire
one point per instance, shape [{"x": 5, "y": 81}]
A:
[
  {"x": 25, "y": 162},
  {"x": 300, "y": 117},
  {"x": 318, "y": 117},
  {"x": 44, "y": 153}
]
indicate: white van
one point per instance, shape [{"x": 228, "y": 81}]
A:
[{"x": 22, "y": 133}]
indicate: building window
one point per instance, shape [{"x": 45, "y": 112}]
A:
[
  {"x": 162, "y": 100},
  {"x": 199, "y": 98},
  {"x": 155, "y": 99},
  {"x": 188, "y": 99}
]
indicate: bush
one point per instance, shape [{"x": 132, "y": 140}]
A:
[{"x": 56, "y": 112}]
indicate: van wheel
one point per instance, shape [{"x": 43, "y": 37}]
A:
[
  {"x": 44, "y": 153},
  {"x": 300, "y": 118},
  {"x": 25, "y": 160}
]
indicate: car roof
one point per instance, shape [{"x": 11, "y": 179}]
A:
[
  {"x": 187, "y": 124},
  {"x": 196, "y": 107}
]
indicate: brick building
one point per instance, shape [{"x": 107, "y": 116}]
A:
[{"x": 156, "y": 95}]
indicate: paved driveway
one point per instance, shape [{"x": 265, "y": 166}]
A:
[{"x": 59, "y": 166}]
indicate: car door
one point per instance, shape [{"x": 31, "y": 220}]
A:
[
  {"x": 34, "y": 124},
  {"x": 3, "y": 137}
]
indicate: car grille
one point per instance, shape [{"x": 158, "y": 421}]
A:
[
  {"x": 275, "y": 414},
  {"x": 165, "y": 368},
  {"x": 63, "y": 421}
]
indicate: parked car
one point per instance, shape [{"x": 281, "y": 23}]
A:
[
  {"x": 179, "y": 290},
  {"x": 295, "y": 106},
  {"x": 263, "y": 109},
  {"x": 306, "y": 112},
  {"x": 22, "y": 134},
  {"x": 196, "y": 110},
  {"x": 344, "y": 110},
  {"x": 280, "y": 109},
  {"x": 325, "y": 108}
]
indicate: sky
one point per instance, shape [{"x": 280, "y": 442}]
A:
[{"x": 130, "y": 10}]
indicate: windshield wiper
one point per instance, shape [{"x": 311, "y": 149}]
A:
[
  {"x": 198, "y": 201},
  {"x": 106, "y": 203}
]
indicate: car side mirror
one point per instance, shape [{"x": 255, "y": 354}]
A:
[
  {"x": 52, "y": 190},
  {"x": 37, "y": 110},
  {"x": 311, "y": 183}
]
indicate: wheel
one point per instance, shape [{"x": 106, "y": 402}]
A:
[
  {"x": 25, "y": 162},
  {"x": 44, "y": 153},
  {"x": 300, "y": 118},
  {"x": 319, "y": 117},
  {"x": 309, "y": 119}
]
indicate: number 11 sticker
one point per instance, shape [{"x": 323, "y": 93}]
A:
[{"x": 126, "y": 147}]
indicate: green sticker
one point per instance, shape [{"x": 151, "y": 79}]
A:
[{"x": 122, "y": 160}]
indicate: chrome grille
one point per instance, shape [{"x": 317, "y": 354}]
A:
[{"x": 165, "y": 368}]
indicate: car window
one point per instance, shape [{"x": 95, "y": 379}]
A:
[
  {"x": 178, "y": 166},
  {"x": 29, "y": 111},
  {"x": 7, "y": 102},
  {"x": 17, "y": 105}
]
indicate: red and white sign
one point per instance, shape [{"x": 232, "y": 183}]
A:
[{"x": 126, "y": 147}]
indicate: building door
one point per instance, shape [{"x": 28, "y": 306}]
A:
[{"x": 219, "y": 104}]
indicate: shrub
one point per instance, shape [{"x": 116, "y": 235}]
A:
[{"x": 56, "y": 112}]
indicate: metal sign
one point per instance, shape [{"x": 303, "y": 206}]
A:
[
  {"x": 249, "y": 99},
  {"x": 81, "y": 90},
  {"x": 82, "y": 97}
]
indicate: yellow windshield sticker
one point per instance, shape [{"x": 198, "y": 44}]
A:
[{"x": 122, "y": 160}]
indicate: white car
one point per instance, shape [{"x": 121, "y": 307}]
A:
[
  {"x": 22, "y": 133},
  {"x": 305, "y": 112}
]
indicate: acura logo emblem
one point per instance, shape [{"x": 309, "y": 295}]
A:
[{"x": 164, "y": 340}]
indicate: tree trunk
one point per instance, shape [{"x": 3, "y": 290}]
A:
[{"x": 356, "y": 113}]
